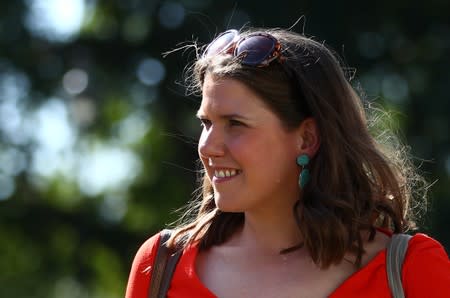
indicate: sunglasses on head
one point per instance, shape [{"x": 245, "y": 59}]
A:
[{"x": 256, "y": 49}]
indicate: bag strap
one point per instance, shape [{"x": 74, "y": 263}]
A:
[
  {"x": 159, "y": 264},
  {"x": 170, "y": 269},
  {"x": 395, "y": 255},
  {"x": 163, "y": 267}
]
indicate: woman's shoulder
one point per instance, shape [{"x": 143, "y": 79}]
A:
[
  {"x": 426, "y": 269},
  {"x": 424, "y": 241},
  {"x": 423, "y": 247},
  {"x": 148, "y": 249},
  {"x": 425, "y": 251},
  {"x": 140, "y": 273}
]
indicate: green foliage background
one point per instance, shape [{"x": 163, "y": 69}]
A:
[{"x": 118, "y": 109}]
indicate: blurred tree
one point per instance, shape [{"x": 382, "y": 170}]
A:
[{"x": 98, "y": 140}]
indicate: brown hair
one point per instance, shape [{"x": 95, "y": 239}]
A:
[{"x": 357, "y": 183}]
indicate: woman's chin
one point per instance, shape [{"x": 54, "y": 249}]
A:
[{"x": 227, "y": 206}]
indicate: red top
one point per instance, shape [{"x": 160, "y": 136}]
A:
[{"x": 426, "y": 273}]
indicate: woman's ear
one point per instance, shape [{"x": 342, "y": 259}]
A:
[{"x": 308, "y": 137}]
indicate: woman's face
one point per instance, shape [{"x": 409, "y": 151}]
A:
[{"x": 248, "y": 156}]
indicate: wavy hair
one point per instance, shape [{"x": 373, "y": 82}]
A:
[{"x": 360, "y": 178}]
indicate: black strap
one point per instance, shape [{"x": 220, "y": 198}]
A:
[
  {"x": 395, "y": 255},
  {"x": 159, "y": 265},
  {"x": 170, "y": 269},
  {"x": 163, "y": 267}
]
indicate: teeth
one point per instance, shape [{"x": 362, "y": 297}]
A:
[{"x": 226, "y": 173}]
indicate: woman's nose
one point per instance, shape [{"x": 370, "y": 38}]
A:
[{"x": 211, "y": 143}]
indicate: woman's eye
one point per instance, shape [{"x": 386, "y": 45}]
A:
[
  {"x": 205, "y": 123},
  {"x": 235, "y": 123}
]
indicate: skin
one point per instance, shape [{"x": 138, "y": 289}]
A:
[
  {"x": 243, "y": 136},
  {"x": 240, "y": 134}
]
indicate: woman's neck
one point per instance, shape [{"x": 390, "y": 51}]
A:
[{"x": 268, "y": 234}]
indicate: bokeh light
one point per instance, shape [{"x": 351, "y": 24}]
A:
[
  {"x": 171, "y": 15},
  {"x": 55, "y": 20},
  {"x": 7, "y": 186},
  {"x": 150, "y": 71},
  {"x": 75, "y": 81},
  {"x": 136, "y": 28},
  {"x": 106, "y": 168},
  {"x": 395, "y": 88}
]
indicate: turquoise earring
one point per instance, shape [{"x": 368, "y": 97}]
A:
[{"x": 303, "y": 161}]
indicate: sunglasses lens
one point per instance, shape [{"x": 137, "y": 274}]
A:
[
  {"x": 221, "y": 43},
  {"x": 256, "y": 48}
]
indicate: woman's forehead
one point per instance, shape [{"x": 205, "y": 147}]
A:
[{"x": 227, "y": 93}]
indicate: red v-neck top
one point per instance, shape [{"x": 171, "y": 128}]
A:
[{"x": 425, "y": 273}]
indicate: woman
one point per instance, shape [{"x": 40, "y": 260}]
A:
[{"x": 298, "y": 199}]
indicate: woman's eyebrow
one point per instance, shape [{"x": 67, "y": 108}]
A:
[
  {"x": 233, "y": 116},
  {"x": 200, "y": 115}
]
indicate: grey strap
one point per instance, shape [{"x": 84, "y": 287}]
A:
[
  {"x": 159, "y": 265},
  {"x": 395, "y": 254}
]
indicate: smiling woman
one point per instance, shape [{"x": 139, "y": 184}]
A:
[
  {"x": 298, "y": 198},
  {"x": 236, "y": 127}
]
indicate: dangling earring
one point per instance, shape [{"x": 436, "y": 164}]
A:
[{"x": 303, "y": 161}]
